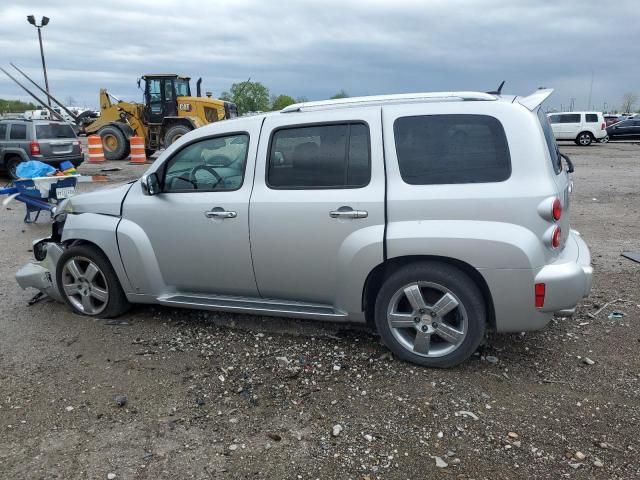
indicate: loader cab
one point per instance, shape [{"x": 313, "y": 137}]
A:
[{"x": 160, "y": 95}]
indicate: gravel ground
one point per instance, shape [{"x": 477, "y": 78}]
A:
[{"x": 164, "y": 393}]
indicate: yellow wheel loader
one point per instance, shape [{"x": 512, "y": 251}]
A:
[{"x": 168, "y": 112}]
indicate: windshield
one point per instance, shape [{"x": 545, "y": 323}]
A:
[
  {"x": 54, "y": 130},
  {"x": 182, "y": 88},
  {"x": 551, "y": 142}
]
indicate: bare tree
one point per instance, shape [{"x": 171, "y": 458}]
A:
[
  {"x": 70, "y": 101},
  {"x": 629, "y": 99}
]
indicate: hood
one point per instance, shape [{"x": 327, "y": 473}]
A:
[{"x": 107, "y": 201}]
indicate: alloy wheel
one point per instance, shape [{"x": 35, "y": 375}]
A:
[
  {"x": 85, "y": 285},
  {"x": 427, "y": 319},
  {"x": 584, "y": 139}
]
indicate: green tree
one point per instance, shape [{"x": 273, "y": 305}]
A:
[
  {"x": 281, "y": 101},
  {"x": 248, "y": 96},
  {"x": 340, "y": 94},
  {"x": 15, "y": 106}
]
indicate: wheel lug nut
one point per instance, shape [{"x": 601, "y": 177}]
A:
[
  {"x": 434, "y": 314},
  {"x": 434, "y": 324},
  {"x": 422, "y": 310},
  {"x": 425, "y": 328},
  {"x": 416, "y": 319}
]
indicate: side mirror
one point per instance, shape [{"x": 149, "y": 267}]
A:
[{"x": 150, "y": 184}]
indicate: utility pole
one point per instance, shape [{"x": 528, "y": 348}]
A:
[
  {"x": 590, "y": 90},
  {"x": 45, "y": 20}
]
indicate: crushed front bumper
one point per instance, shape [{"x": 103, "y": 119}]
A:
[
  {"x": 42, "y": 275},
  {"x": 567, "y": 280}
]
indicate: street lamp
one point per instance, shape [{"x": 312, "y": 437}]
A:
[{"x": 45, "y": 20}]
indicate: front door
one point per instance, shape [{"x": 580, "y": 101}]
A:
[
  {"x": 317, "y": 204},
  {"x": 198, "y": 226}
]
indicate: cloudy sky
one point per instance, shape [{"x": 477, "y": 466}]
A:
[{"x": 315, "y": 48}]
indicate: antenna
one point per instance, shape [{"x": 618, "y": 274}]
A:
[{"x": 499, "y": 90}]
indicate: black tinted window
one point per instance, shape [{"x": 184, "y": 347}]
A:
[
  {"x": 592, "y": 118},
  {"x": 322, "y": 156},
  {"x": 54, "y": 130},
  {"x": 550, "y": 140},
  {"x": 18, "y": 132},
  {"x": 570, "y": 118},
  {"x": 3, "y": 131},
  {"x": 441, "y": 149},
  {"x": 554, "y": 119}
]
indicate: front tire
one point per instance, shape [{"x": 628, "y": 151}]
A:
[
  {"x": 88, "y": 284},
  {"x": 114, "y": 143},
  {"x": 174, "y": 133},
  {"x": 432, "y": 314},
  {"x": 584, "y": 139}
]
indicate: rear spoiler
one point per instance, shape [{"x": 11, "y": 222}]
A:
[{"x": 536, "y": 99}]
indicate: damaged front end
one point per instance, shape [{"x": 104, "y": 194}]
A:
[{"x": 41, "y": 274}]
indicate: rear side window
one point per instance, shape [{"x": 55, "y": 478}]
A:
[
  {"x": 18, "y": 132},
  {"x": 48, "y": 131},
  {"x": 550, "y": 140},
  {"x": 570, "y": 118},
  {"x": 3, "y": 131},
  {"x": 320, "y": 156},
  {"x": 448, "y": 149},
  {"x": 592, "y": 117}
]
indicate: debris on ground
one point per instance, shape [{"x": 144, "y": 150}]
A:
[{"x": 121, "y": 400}]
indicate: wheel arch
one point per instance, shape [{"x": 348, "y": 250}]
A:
[
  {"x": 381, "y": 272},
  {"x": 98, "y": 231}
]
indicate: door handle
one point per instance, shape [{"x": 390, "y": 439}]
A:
[
  {"x": 219, "y": 212},
  {"x": 348, "y": 212}
]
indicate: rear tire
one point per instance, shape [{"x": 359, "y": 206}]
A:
[
  {"x": 584, "y": 139},
  {"x": 174, "y": 133},
  {"x": 432, "y": 314},
  {"x": 88, "y": 284},
  {"x": 114, "y": 143},
  {"x": 11, "y": 165}
]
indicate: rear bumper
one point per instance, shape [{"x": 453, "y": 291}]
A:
[{"x": 567, "y": 280}]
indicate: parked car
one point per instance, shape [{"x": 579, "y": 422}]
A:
[
  {"x": 434, "y": 217},
  {"x": 48, "y": 141},
  {"x": 611, "y": 119},
  {"x": 581, "y": 127},
  {"x": 625, "y": 130}
]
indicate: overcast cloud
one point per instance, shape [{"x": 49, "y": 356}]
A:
[{"x": 315, "y": 48}]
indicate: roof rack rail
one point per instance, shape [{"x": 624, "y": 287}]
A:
[{"x": 389, "y": 99}]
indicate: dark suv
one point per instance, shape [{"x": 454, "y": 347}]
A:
[{"x": 47, "y": 141}]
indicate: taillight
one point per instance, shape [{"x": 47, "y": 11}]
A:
[
  {"x": 539, "y": 290},
  {"x": 556, "y": 209},
  {"x": 35, "y": 148},
  {"x": 555, "y": 237},
  {"x": 603, "y": 126}
]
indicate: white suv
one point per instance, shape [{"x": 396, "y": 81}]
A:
[{"x": 581, "y": 127}]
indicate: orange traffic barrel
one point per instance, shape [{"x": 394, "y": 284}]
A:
[
  {"x": 96, "y": 153},
  {"x": 137, "y": 150}
]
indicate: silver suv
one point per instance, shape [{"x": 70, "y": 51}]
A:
[{"x": 433, "y": 217}]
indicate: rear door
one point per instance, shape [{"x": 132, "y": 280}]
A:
[
  {"x": 317, "y": 207},
  {"x": 18, "y": 136},
  {"x": 570, "y": 126},
  {"x": 57, "y": 140}
]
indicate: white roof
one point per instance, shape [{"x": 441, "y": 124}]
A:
[{"x": 386, "y": 99}]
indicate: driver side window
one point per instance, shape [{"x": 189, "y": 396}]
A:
[{"x": 209, "y": 165}]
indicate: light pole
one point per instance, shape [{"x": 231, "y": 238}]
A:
[{"x": 45, "y": 20}]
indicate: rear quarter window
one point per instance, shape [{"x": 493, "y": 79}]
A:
[
  {"x": 451, "y": 149},
  {"x": 550, "y": 140},
  {"x": 592, "y": 118}
]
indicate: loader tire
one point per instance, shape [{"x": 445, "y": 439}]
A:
[
  {"x": 174, "y": 133},
  {"x": 114, "y": 143}
]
